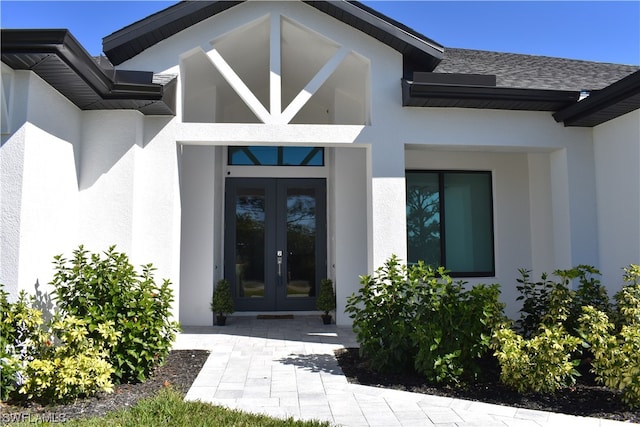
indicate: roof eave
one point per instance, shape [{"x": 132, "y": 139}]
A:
[
  {"x": 418, "y": 94},
  {"x": 606, "y": 104},
  {"x": 34, "y": 49},
  {"x": 124, "y": 44}
]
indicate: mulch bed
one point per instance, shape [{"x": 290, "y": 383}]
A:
[
  {"x": 584, "y": 399},
  {"x": 179, "y": 372}
]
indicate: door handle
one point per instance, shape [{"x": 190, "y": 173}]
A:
[{"x": 279, "y": 261}]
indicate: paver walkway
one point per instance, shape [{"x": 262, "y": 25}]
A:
[{"x": 287, "y": 368}]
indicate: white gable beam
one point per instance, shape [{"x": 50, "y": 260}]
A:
[
  {"x": 238, "y": 85},
  {"x": 275, "y": 71},
  {"x": 314, "y": 84}
]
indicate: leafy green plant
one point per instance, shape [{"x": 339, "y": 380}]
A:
[
  {"x": 588, "y": 292},
  {"x": 616, "y": 356},
  {"x": 535, "y": 298},
  {"x": 382, "y": 313},
  {"x": 544, "y": 362},
  {"x": 417, "y": 318},
  {"x": 51, "y": 360},
  {"x": 107, "y": 290},
  {"x": 540, "y": 364},
  {"x": 222, "y": 300},
  {"x": 21, "y": 330},
  {"x": 452, "y": 326},
  {"x": 69, "y": 364},
  {"x": 628, "y": 299},
  {"x": 326, "y": 298}
]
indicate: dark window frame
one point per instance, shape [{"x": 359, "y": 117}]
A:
[
  {"x": 441, "y": 197},
  {"x": 280, "y": 155}
]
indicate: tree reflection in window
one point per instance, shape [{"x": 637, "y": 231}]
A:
[
  {"x": 423, "y": 218},
  {"x": 250, "y": 235},
  {"x": 301, "y": 242}
]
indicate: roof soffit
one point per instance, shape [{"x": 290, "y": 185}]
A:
[{"x": 58, "y": 58}]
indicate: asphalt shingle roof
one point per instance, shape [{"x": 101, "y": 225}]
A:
[{"x": 534, "y": 72}]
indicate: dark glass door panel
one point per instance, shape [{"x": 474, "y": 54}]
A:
[
  {"x": 250, "y": 231},
  {"x": 301, "y": 242},
  {"x": 275, "y": 242}
]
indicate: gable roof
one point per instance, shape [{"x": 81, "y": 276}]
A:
[{"x": 126, "y": 43}]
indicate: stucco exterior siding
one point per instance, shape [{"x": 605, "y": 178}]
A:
[
  {"x": 617, "y": 154},
  {"x": 39, "y": 194}
]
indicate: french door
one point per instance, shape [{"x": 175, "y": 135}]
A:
[{"x": 275, "y": 242}]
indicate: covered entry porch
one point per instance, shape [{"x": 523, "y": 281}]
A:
[{"x": 274, "y": 231}]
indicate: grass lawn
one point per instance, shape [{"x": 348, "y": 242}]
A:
[{"x": 168, "y": 409}]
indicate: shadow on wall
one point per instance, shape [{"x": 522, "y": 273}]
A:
[
  {"x": 112, "y": 136},
  {"x": 43, "y": 302}
]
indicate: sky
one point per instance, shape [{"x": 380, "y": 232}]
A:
[{"x": 602, "y": 31}]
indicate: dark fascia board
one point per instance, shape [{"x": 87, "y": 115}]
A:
[
  {"x": 129, "y": 41},
  {"x": 455, "y": 79},
  {"x": 124, "y": 44},
  {"x": 469, "y": 96},
  {"x": 624, "y": 91},
  {"x": 58, "y": 42},
  {"x": 21, "y": 49},
  {"x": 419, "y": 48}
]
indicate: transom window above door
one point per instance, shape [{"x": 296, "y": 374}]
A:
[
  {"x": 274, "y": 70},
  {"x": 275, "y": 156}
]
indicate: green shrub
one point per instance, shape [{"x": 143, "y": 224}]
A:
[
  {"x": 536, "y": 297},
  {"x": 628, "y": 299},
  {"x": 452, "y": 327},
  {"x": 588, "y": 292},
  {"x": 327, "y": 297},
  {"x": 416, "y": 318},
  {"x": 616, "y": 356},
  {"x": 539, "y": 364},
  {"x": 21, "y": 331},
  {"x": 107, "y": 290},
  {"x": 222, "y": 300},
  {"x": 382, "y": 313},
  {"x": 51, "y": 360},
  {"x": 544, "y": 362},
  {"x": 69, "y": 364}
]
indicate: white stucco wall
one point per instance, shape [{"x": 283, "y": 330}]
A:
[
  {"x": 198, "y": 195},
  {"x": 39, "y": 194},
  {"x": 617, "y": 154},
  {"x": 350, "y": 217}
]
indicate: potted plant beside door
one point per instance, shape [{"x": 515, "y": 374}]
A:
[
  {"x": 222, "y": 302},
  {"x": 326, "y": 300}
]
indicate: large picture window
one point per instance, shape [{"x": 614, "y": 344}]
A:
[{"x": 450, "y": 221}]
